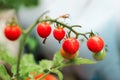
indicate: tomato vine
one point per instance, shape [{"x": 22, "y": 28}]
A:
[{"x": 69, "y": 49}]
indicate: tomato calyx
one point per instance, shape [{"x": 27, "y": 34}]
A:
[{"x": 12, "y": 22}]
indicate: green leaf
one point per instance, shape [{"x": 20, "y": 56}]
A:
[
  {"x": 28, "y": 59},
  {"x": 60, "y": 75},
  {"x": 28, "y": 65},
  {"x": 78, "y": 61},
  {"x": 57, "y": 59},
  {"x": 13, "y": 69},
  {"x": 46, "y": 64}
]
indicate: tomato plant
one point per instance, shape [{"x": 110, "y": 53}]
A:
[
  {"x": 22, "y": 66},
  {"x": 95, "y": 44},
  {"x": 12, "y": 32},
  {"x": 59, "y": 33}
]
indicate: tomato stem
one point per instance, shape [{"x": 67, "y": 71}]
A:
[
  {"x": 21, "y": 46},
  {"x": 44, "y": 40}
]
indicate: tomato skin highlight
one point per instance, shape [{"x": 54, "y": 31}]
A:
[
  {"x": 95, "y": 44},
  {"x": 44, "y": 29},
  {"x": 12, "y": 32},
  {"x": 59, "y": 33},
  {"x": 67, "y": 55},
  {"x": 71, "y": 45}
]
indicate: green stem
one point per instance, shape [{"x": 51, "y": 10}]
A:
[
  {"x": 54, "y": 20},
  {"x": 22, "y": 41},
  {"x": 66, "y": 26},
  {"x": 57, "y": 67}
]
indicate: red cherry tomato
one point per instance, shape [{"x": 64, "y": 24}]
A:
[
  {"x": 71, "y": 45},
  {"x": 59, "y": 33},
  {"x": 44, "y": 29},
  {"x": 12, "y": 32},
  {"x": 95, "y": 44}
]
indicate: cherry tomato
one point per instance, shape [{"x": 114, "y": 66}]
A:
[
  {"x": 67, "y": 55},
  {"x": 71, "y": 45},
  {"x": 48, "y": 77},
  {"x": 38, "y": 76},
  {"x": 59, "y": 33},
  {"x": 100, "y": 55},
  {"x": 95, "y": 44},
  {"x": 44, "y": 29},
  {"x": 12, "y": 32}
]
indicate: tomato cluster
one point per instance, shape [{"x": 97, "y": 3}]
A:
[
  {"x": 95, "y": 44},
  {"x": 70, "y": 45}
]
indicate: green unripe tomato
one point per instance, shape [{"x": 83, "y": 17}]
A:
[{"x": 100, "y": 55}]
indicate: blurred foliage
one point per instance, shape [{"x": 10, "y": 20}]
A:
[
  {"x": 27, "y": 66},
  {"x": 16, "y": 4},
  {"x": 32, "y": 43},
  {"x": 4, "y": 56}
]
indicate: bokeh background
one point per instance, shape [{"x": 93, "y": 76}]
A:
[{"x": 101, "y": 16}]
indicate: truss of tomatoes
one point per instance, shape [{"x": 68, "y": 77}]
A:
[{"x": 70, "y": 45}]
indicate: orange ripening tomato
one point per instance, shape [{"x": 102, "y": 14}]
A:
[
  {"x": 48, "y": 77},
  {"x": 67, "y": 55}
]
